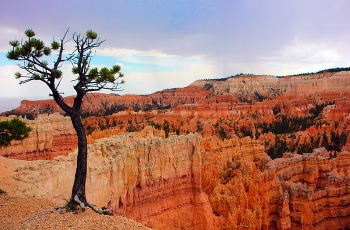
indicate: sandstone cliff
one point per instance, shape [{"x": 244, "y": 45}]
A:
[
  {"x": 183, "y": 182},
  {"x": 107, "y": 104},
  {"x": 248, "y": 190},
  {"x": 51, "y": 136},
  {"x": 315, "y": 106},
  {"x": 224, "y": 178},
  {"x": 152, "y": 180}
]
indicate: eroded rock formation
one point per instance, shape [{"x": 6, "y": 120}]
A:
[
  {"x": 183, "y": 182},
  {"x": 222, "y": 178},
  {"x": 107, "y": 104},
  {"x": 248, "y": 190},
  {"x": 51, "y": 136},
  {"x": 152, "y": 180}
]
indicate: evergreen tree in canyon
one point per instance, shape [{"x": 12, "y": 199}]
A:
[
  {"x": 14, "y": 129},
  {"x": 30, "y": 54}
]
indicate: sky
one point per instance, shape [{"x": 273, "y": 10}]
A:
[{"x": 171, "y": 43}]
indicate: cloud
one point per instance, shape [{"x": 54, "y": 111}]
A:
[
  {"x": 304, "y": 56},
  {"x": 151, "y": 71},
  {"x": 147, "y": 83},
  {"x": 8, "y": 33},
  {"x": 176, "y": 42},
  {"x": 10, "y": 86}
]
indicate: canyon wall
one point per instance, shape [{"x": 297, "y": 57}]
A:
[
  {"x": 149, "y": 179},
  {"x": 248, "y": 190},
  {"x": 222, "y": 178},
  {"x": 52, "y": 135},
  {"x": 316, "y": 106},
  {"x": 185, "y": 182},
  {"x": 107, "y": 104}
]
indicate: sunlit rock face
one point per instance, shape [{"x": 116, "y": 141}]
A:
[
  {"x": 216, "y": 179},
  {"x": 188, "y": 182},
  {"x": 237, "y": 106},
  {"x": 152, "y": 180},
  {"x": 234, "y": 96},
  {"x": 107, "y": 104},
  {"x": 51, "y": 136},
  {"x": 248, "y": 190}
]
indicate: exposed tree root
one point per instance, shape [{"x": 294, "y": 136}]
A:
[
  {"x": 92, "y": 206},
  {"x": 81, "y": 204}
]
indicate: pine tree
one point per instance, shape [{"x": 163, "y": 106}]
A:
[
  {"x": 14, "y": 129},
  {"x": 30, "y": 54}
]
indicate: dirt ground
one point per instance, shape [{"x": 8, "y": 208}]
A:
[{"x": 34, "y": 213}]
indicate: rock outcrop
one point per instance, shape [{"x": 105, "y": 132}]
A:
[
  {"x": 316, "y": 107},
  {"x": 248, "y": 190},
  {"x": 107, "y": 104},
  {"x": 152, "y": 180},
  {"x": 182, "y": 182},
  {"x": 51, "y": 136},
  {"x": 223, "y": 177}
]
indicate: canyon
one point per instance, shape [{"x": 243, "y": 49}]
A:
[
  {"x": 244, "y": 152},
  {"x": 189, "y": 182}
]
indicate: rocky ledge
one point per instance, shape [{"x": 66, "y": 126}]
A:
[{"x": 189, "y": 182}]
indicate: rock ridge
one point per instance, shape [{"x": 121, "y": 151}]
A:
[{"x": 191, "y": 182}]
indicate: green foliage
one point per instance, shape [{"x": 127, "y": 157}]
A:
[
  {"x": 47, "y": 51},
  {"x": 45, "y": 63},
  {"x": 93, "y": 72},
  {"x": 90, "y": 34},
  {"x": 14, "y": 129},
  {"x": 57, "y": 73},
  {"x": 32, "y": 50},
  {"x": 278, "y": 149},
  {"x": 220, "y": 130},
  {"x": 222, "y": 133},
  {"x": 285, "y": 124},
  {"x": 75, "y": 70},
  {"x": 155, "y": 125},
  {"x": 319, "y": 108},
  {"x": 29, "y": 33},
  {"x": 55, "y": 45},
  {"x": 246, "y": 132},
  {"x": 18, "y": 75},
  {"x": 14, "y": 43},
  {"x": 13, "y": 54},
  {"x": 115, "y": 69},
  {"x": 259, "y": 97}
]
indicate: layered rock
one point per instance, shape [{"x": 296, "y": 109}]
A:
[
  {"x": 244, "y": 105},
  {"x": 270, "y": 87},
  {"x": 51, "y": 136},
  {"x": 152, "y": 180},
  {"x": 106, "y": 104},
  {"x": 182, "y": 182},
  {"x": 248, "y": 190},
  {"x": 222, "y": 181}
]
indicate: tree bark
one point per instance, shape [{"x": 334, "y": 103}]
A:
[{"x": 81, "y": 170}]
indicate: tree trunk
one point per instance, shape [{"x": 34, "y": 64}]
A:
[{"x": 81, "y": 170}]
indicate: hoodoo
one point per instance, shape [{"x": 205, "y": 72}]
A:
[{"x": 244, "y": 152}]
